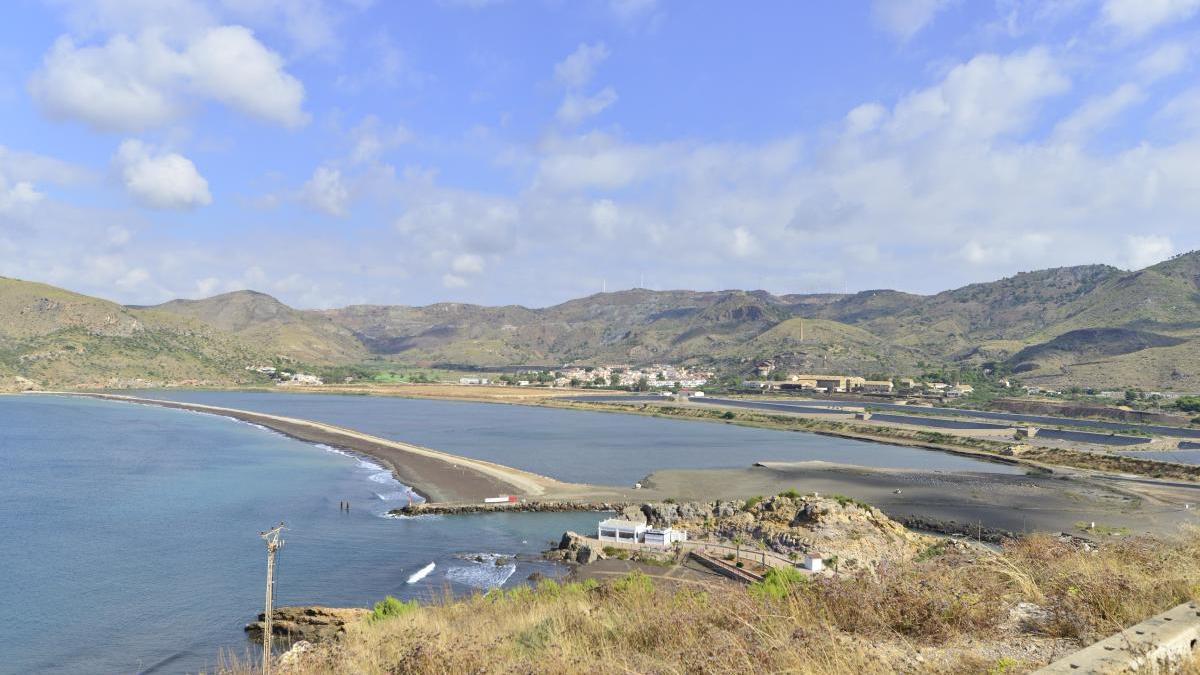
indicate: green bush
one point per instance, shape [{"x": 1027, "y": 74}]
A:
[
  {"x": 634, "y": 583},
  {"x": 790, "y": 494},
  {"x": 752, "y": 502},
  {"x": 778, "y": 583},
  {"x": 728, "y": 415},
  {"x": 390, "y": 608}
]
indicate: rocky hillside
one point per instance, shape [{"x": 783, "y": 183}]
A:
[
  {"x": 54, "y": 338},
  {"x": 1091, "y": 325},
  {"x": 854, "y": 536},
  {"x": 259, "y": 319}
]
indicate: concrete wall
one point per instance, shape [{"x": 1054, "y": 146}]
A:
[{"x": 1156, "y": 645}]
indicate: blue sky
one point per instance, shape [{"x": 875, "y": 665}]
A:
[{"x": 332, "y": 152}]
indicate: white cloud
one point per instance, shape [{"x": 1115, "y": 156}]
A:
[
  {"x": 137, "y": 83},
  {"x": 628, "y": 10},
  {"x": 743, "y": 244},
  {"x": 326, "y": 192},
  {"x": 371, "y": 138},
  {"x": 605, "y": 216},
  {"x": 19, "y": 195},
  {"x": 985, "y": 97},
  {"x": 577, "y": 69},
  {"x": 1097, "y": 113},
  {"x": 1146, "y": 250},
  {"x": 576, "y": 107},
  {"x": 229, "y": 65},
  {"x": 1136, "y": 18},
  {"x": 1164, "y": 61},
  {"x": 467, "y": 263},
  {"x": 454, "y": 281},
  {"x": 309, "y": 24},
  {"x": 905, "y": 18},
  {"x": 160, "y": 180}
]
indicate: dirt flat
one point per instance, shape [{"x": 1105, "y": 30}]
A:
[{"x": 1015, "y": 503}]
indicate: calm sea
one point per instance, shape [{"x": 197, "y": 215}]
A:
[
  {"x": 574, "y": 445},
  {"x": 129, "y": 535}
]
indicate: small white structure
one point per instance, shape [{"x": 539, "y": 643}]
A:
[
  {"x": 665, "y": 537},
  {"x": 473, "y": 380},
  {"x": 626, "y": 531},
  {"x": 813, "y": 562}
]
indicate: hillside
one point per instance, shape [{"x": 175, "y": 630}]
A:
[
  {"x": 54, "y": 338},
  {"x": 261, "y": 320},
  {"x": 1093, "y": 326}
]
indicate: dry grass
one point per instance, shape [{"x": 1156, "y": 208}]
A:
[{"x": 947, "y": 614}]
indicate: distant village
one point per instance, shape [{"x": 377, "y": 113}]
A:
[{"x": 646, "y": 378}]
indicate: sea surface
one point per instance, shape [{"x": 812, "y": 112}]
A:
[
  {"x": 576, "y": 445},
  {"x": 129, "y": 533},
  {"x": 129, "y": 536}
]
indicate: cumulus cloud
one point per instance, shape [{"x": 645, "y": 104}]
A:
[
  {"x": 160, "y": 180},
  {"x": 327, "y": 192},
  {"x": 577, "y": 69},
  {"x": 137, "y": 83},
  {"x": 985, "y": 97},
  {"x": 905, "y": 18},
  {"x": 1136, "y": 18},
  {"x": 19, "y": 195},
  {"x": 576, "y": 107}
]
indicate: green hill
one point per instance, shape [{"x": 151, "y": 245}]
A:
[
  {"x": 1091, "y": 325},
  {"x": 55, "y": 338}
]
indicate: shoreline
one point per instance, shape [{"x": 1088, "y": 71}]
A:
[
  {"x": 453, "y": 484},
  {"x": 434, "y": 475}
]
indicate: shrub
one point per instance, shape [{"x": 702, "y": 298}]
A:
[
  {"x": 728, "y": 415},
  {"x": 790, "y": 494},
  {"x": 390, "y": 608},
  {"x": 778, "y": 583},
  {"x": 635, "y": 583},
  {"x": 752, "y": 502}
]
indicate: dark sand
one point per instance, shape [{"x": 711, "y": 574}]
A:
[{"x": 1013, "y": 503}]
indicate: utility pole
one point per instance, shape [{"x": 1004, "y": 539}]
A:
[{"x": 274, "y": 543}]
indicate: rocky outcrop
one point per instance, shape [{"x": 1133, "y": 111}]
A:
[
  {"x": 857, "y": 535},
  {"x": 577, "y": 549},
  {"x": 312, "y": 624}
]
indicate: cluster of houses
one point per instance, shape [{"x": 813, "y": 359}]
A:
[
  {"x": 286, "y": 376},
  {"x": 658, "y": 376}
]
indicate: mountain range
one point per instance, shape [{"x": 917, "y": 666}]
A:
[{"x": 1093, "y": 326}]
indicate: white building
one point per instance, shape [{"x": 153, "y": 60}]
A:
[
  {"x": 626, "y": 531},
  {"x": 473, "y": 380},
  {"x": 665, "y": 537},
  {"x": 813, "y": 562}
]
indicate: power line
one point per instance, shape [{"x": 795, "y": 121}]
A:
[{"x": 274, "y": 543}]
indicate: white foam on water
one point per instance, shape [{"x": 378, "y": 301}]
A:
[
  {"x": 484, "y": 573},
  {"x": 336, "y": 451},
  {"x": 421, "y": 573}
]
